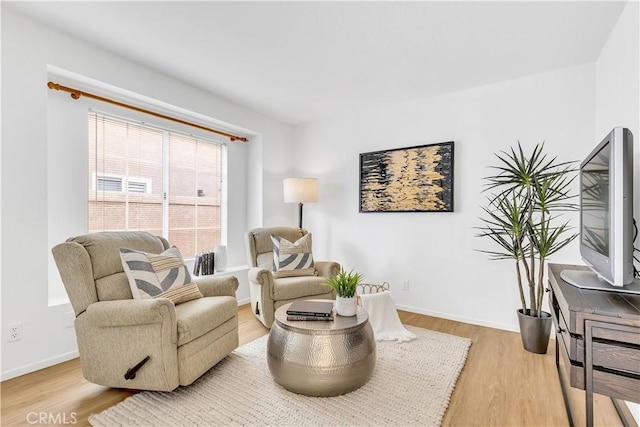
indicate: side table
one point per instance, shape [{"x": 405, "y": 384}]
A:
[{"x": 321, "y": 358}]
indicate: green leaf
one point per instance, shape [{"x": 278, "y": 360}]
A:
[
  {"x": 524, "y": 196},
  {"x": 344, "y": 284}
]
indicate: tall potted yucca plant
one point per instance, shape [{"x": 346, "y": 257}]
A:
[{"x": 521, "y": 217}]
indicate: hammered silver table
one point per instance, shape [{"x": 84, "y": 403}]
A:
[{"x": 321, "y": 358}]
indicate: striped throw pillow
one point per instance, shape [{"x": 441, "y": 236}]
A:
[
  {"x": 159, "y": 275},
  {"x": 292, "y": 259},
  {"x": 182, "y": 294}
]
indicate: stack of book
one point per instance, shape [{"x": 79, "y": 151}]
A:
[
  {"x": 204, "y": 264},
  {"x": 310, "y": 310}
]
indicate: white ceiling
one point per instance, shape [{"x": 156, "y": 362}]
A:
[{"x": 304, "y": 61}]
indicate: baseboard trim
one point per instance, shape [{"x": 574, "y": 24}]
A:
[
  {"x": 22, "y": 370},
  {"x": 27, "y": 369},
  {"x": 463, "y": 319}
]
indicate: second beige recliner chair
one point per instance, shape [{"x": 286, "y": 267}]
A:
[{"x": 268, "y": 293}]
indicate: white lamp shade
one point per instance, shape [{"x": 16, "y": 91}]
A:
[{"x": 300, "y": 190}]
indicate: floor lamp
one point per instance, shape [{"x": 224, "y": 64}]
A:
[{"x": 300, "y": 190}]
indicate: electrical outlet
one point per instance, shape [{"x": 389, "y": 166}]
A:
[
  {"x": 15, "y": 331},
  {"x": 405, "y": 285}
]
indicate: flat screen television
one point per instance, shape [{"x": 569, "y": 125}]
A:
[{"x": 606, "y": 216}]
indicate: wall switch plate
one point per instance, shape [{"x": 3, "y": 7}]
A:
[
  {"x": 15, "y": 331},
  {"x": 405, "y": 285}
]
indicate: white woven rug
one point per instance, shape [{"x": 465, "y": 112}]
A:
[{"x": 411, "y": 385}]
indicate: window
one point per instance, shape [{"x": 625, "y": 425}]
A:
[
  {"x": 109, "y": 184},
  {"x": 156, "y": 180},
  {"x": 116, "y": 183},
  {"x": 137, "y": 186}
]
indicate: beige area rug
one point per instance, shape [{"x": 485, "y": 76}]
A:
[{"x": 411, "y": 385}]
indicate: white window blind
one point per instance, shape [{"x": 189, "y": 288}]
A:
[{"x": 156, "y": 180}]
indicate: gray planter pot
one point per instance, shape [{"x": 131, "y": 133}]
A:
[{"x": 535, "y": 331}]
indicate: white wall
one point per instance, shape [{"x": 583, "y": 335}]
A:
[
  {"x": 618, "y": 96},
  {"x": 570, "y": 109},
  {"x": 28, "y": 217},
  {"x": 436, "y": 251},
  {"x": 618, "y": 85}
]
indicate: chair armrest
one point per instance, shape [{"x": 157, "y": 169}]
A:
[
  {"x": 260, "y": 276},
  {"x": 212, "y": 286},
  {"x": 327, "y": 269},
  {"x": 261, "y": 291},
  {"x": 114, "y": 336},
  {"x": 131, "y": 312}
]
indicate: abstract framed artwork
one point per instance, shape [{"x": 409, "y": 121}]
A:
[{"x": 411, "y": 179}]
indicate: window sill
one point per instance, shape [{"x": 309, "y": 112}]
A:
[
  {"x": 59, "y": 300},
  {"x": 229, "y": 270}
]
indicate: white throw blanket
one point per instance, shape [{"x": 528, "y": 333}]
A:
[{"x": 384, "y": 318}]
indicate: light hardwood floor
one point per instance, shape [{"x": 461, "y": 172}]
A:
[{"x": 500, "y": 385}]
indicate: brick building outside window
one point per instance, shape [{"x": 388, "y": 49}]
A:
[{"x": 156, "y": 180}]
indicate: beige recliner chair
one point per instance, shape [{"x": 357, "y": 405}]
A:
[
  {"x": 268, "y": 293},
  {"x": 116, "y": 332}
]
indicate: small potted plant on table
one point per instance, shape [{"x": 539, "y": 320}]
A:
[{"x": 344, "y": 284}]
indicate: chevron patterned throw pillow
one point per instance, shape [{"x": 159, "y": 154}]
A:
[
  {"x": 159, "y": 275},
  {"x": 292, "y": 259}
]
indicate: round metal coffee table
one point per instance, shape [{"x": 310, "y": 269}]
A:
[{"x": 321, "y": 358}]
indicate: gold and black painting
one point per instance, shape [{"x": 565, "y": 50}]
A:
[{"x": 412, "y": 179}]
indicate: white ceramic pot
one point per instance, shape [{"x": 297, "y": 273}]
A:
[{"x": 346, "y": 306}]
